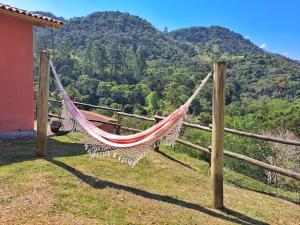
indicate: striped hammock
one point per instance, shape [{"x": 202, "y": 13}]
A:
[{"x": 127, "y": 148}]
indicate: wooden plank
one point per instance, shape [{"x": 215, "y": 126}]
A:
[
  {"x": 240, "y": 133},
  {"x": 130, "y": 129},
  {"x": 157, "y": 143},
  {"x": 136, "y": 116},
  {"x": 217, "y": 153},
  {"x": 42, "y": 105},
  {"x": 189, "y": 144},
  {"x": 119, "y": 119},
  {"x": 282, "y": 171},
  {"x": 87, "y": 105},
  {"x": 196, "y": 126},
  {"x": 98, "y": 121},
  {"x": 191, "y": 125},
  {"x": 276, "y": 169},
  {"x": 228, "y": 130},
  {"x": 262, "y": 137}
]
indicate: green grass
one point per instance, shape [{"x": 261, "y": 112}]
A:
[{"x": 66, "y": 187}]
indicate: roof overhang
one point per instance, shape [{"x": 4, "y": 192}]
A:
[{"x": 35, "y": 19}]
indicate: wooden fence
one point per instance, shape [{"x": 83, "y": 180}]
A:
[
  {"x": 207, "y": 150},
  {"x": 217, "y": 128}
]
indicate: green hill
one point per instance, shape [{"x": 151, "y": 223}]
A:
[
  {"x": 121, "y": 49},
  {"x": 217, "y": 40},
  {"x": 121, "y": 30}
]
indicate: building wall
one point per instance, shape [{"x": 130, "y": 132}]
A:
[{"x": 16, "y": 75}]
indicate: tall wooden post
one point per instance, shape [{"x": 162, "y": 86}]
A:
[
  {"x": 218, "y": 135},
  {"x": 42, "y": 105}
]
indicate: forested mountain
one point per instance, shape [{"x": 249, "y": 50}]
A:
[
  {"x": 113, "y": 57},
  {"x": 50, "y": 14},
  {"x": 121, "y": 30},
  {"x": 217, "y": 40}
]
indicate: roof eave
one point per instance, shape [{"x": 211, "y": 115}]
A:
[{"x": 35, "y": 21}]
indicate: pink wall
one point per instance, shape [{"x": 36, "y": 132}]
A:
[{"x": 16, "y": 75}]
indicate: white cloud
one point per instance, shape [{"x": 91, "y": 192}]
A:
[
  {"x": 247, "y": 37},
  {"x": 263, "y": 46},
  {"x": 285, "y": 53}
]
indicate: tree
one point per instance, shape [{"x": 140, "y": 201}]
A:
[
  {"x": 175, "y": 95},
  {"x": 152, "y": 102},
  {"x": 89, "y": 66},
  {"x": 115, "y": 59},
  {"x": 99, "y": 58},
  {"x": 285, "y": 156},
  {"x": 139, "y": 93},
  {"x": 65, "y": 46},
  {"x": 87, "y": 87},
  {"x": 140, "y": 62}
]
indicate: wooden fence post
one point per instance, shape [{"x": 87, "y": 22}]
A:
[
  {"x": 157, "y": 120},
  {"x": 217, "y": 152},
  {"x": 42, "y": 105},
  {"x": 157, "y": 143},
  {"x": 119, "y": 119}
]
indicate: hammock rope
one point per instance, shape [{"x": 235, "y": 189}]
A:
[{"x": 127, "y": 148}]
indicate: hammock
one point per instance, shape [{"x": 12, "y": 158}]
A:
[{"x": 127, "y": 148}]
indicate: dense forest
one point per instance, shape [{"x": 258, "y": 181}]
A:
[{"x": 110, "y": 58}]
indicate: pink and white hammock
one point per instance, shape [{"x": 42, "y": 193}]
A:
[{"x": 127, "y": 148}]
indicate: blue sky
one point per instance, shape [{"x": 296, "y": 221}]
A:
[{"x": 272, "y": 24}]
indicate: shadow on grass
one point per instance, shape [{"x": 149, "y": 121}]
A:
[
  {"x": 238, "y": 184},
  {"x": 20, "y": 150},
  {"x": 100, "y": 184},
  {"x": 275, "y": 195},
  {"x": 15, "y": 151},
  {"x": 176, "y": 160}
]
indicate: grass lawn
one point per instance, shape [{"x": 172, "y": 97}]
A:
[{"x": 66, "y": 187}]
